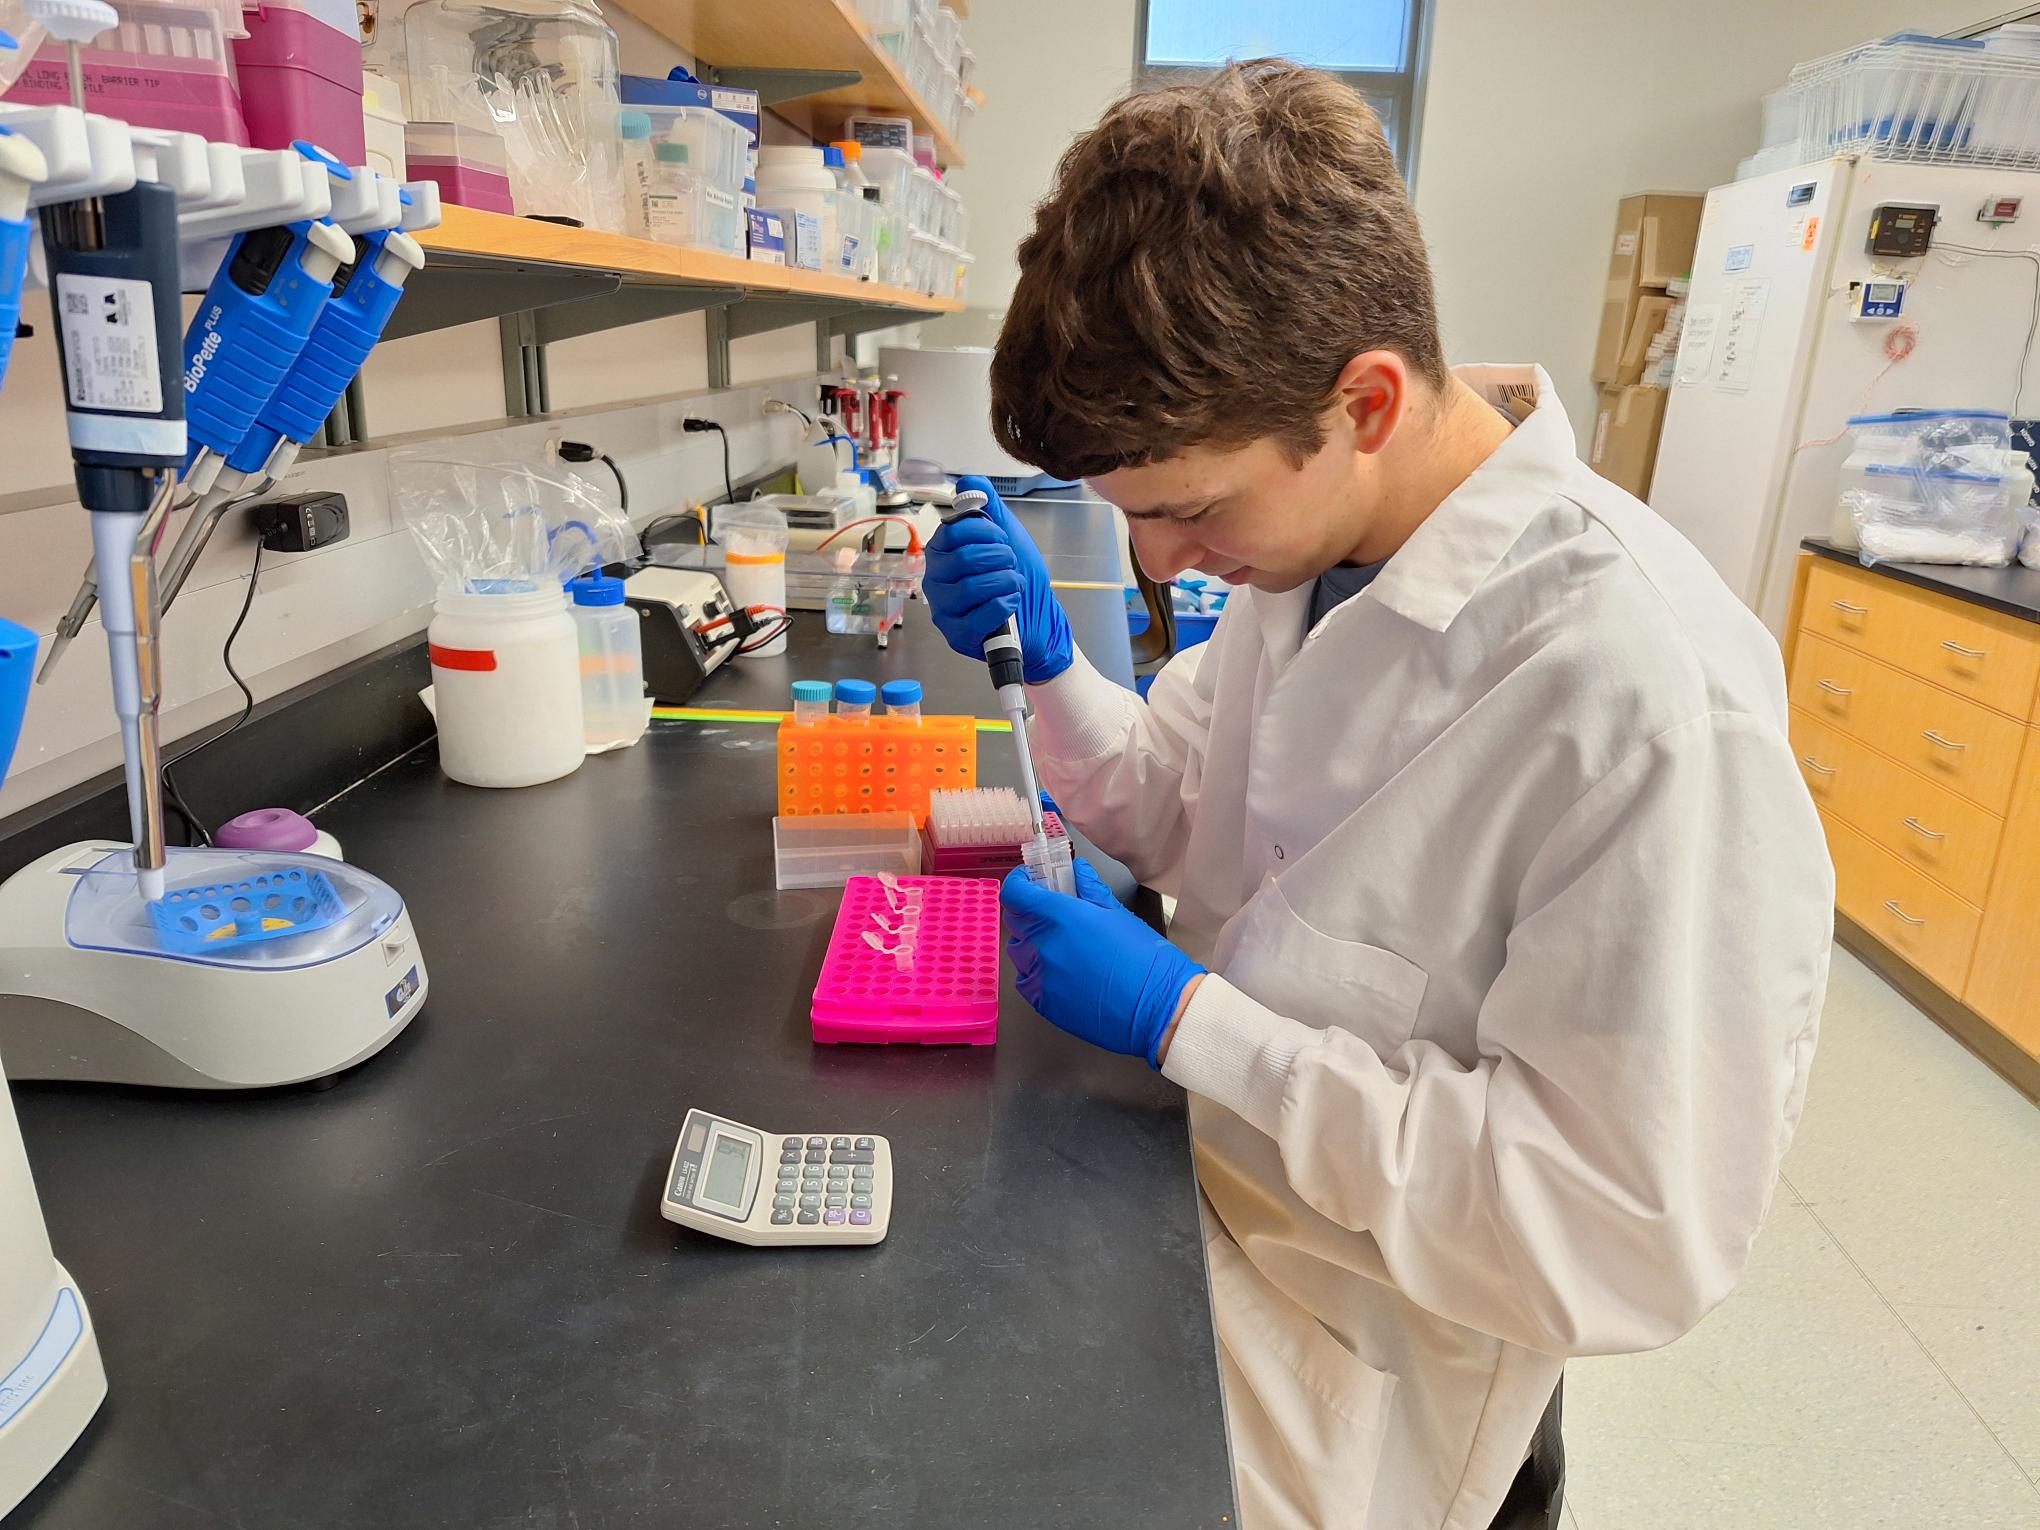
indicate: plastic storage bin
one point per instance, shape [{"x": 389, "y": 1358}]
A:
[
  {"x": 300, "y": 73},
  {"x": 1934, "y": 100},
  {"x": 613, "y": 710},
  {"x": 828, "y": 850},
  {"x": 506, "y": 683},
  {"x": 470, "y": 164},
  {"x": 888, "y": 20},
  {"x": 541, "y": 74},
  {"x": 164, "y": 66}
]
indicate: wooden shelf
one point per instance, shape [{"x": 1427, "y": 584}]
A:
[
  {"x": 500, "y": 237},
  {"x": 798, "y": 34}
]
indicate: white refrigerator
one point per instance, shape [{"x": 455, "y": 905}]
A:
[{"x": 1777, "y": 354}]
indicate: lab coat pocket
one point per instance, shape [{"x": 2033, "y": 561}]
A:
[
  {"x": 1308, "y": 1437},
  {"x": 1277, "y": 957}
]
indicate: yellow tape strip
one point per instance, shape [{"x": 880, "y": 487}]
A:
[
  {"x": 1085, "y": 584},
  {"x": 721, "y": 715}
]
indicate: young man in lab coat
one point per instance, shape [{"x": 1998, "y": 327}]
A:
[{"x": 1502, "y": 916}]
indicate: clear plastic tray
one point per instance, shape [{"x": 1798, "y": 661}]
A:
[
  {"x": 106, "y": 911},
  {"x": 828, "y": 850}
]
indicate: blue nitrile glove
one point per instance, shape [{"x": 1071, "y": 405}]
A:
[
  {"x": 985, "y": 569},
  {"x": 1090, "y": 966}
]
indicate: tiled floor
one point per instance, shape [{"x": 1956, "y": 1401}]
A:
[{"x": 1880, "y": 1364}]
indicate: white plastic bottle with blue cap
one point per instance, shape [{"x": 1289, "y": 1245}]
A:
[{"x": 613, "y": 710}]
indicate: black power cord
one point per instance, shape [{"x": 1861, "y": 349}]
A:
[
  {"x": 694, "y": 427},
  {"x": 581, "y": 451},
  {"x": 192, "y": 823}
]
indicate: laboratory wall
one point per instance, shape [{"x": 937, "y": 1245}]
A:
[
  {"x": 1539, "y": 118},
  {"x": 317, "y": 612}
]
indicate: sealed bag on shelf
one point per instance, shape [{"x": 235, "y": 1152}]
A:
[{"x": 1933, "y": 486}]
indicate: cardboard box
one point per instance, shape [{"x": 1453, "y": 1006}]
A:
[
  {"x": 1654, "y": 238},
  {"x": 1626, "y": 436},
  {"x": 1644, "y": 324}
]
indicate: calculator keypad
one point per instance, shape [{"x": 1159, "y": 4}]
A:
[{"x": 825, "y": 1182}]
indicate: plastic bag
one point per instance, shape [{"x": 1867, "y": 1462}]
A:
[
  {"x": 1931, "y": 487},
  {"x": 483, "y": 525}
]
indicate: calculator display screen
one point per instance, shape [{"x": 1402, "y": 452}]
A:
[{"x": 727, "y": 1162}]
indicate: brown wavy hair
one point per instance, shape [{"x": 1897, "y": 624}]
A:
[{"x": 1209, "y": 259}]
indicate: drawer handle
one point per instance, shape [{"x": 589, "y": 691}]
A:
[
  {"x": 1835, "y": 690},
  {"x": 1966, "y": 653},
  {"x": 1919, "y": 828},
  {"x": 1892, "y": 904},
  {"x": 1941, "y": 743},
  {"x": 1812, "y": 764},
  {"x": 1848, "y": 610}
]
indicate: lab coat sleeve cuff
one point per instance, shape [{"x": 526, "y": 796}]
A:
[
  {"x": 1080, "y": 715},
  {"x": 1230, "y": 1049}
]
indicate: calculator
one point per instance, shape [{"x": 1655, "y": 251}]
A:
[{"x": 777, "y": 1190}]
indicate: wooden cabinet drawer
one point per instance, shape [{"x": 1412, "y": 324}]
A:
[
  {"x": 1983, "y": 655},
  {"x": 1948, "y": 837},
  {"x": 2004, "y": 980},
  {"x": 1919, "y": 919},
  {"x": 1965, "y": 747}
]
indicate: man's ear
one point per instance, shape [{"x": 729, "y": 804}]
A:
[{"x": 1373, "y": 392}]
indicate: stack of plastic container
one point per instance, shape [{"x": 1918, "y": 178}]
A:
[
  {"x": 1933, "y": 486},
  {"x": 888, "y": 20},
  {"x": 300, "y": 73},
  {"x": 1930, "y": 100},
  {"x": 683, "y": 175},
  {"x": 470, "y": 164}
]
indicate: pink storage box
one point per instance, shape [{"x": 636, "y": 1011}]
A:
[
  {"x": 164, "y": 66},
  {"x": 464, "y": 185},
  {"x": 301, "y": 78},
  {"x": 949, "y": 995}
]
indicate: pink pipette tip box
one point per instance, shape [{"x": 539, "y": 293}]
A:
[{"x": 951, "y": 993}]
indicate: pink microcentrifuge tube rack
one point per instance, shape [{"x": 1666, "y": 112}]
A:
[{"x": 933, "y": 981}]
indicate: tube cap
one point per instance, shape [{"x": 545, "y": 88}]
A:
[
  {"x": 596, "y": 590},
  {"x": 634, "y": 125},
  {"x": 812, "y": 690},
  {"x": 900, "y": 693},
  {"x": 832, "y": 157},
  {"x": 856, "y": 692},
  {"x": 849, "y": 148}
]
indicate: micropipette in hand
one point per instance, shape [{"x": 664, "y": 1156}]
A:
[{"x": 1003, "y": 656}]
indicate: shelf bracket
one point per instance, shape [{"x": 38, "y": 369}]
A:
[
  {"x": 458, "y": 289},
  {"x": 777, "y": 85},
  {"x": 633, "y": 304}
]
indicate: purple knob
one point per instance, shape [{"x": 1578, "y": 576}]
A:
[{"x": 267, "y": 829}]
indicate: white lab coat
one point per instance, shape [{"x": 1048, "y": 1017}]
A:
[{"x": 1518, "y": 915}]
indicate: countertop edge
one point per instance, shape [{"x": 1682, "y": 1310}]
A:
[{"x": 1942, "y": 579}]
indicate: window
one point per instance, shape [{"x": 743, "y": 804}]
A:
[{"x": 1374, "y": 45}]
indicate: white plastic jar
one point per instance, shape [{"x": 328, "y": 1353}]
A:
[
  {"x": 506, "y": 682},
  {"x": 793, "y": 178},
  {"x": 754, "y": 538}
]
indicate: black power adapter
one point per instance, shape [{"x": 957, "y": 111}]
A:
[{"x": 301, "y": 522}]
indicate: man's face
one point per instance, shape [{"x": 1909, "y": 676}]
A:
[{"x": 1248, "y": 516}]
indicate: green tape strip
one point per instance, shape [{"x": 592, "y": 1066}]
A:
[{"x": 715, "y": 714}]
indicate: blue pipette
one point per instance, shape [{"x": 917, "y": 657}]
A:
[{"x": 252, "y": 325}]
